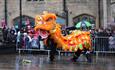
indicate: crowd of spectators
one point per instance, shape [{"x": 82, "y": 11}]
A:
[
  {"x": 9, "y": 35},
  {"x": 103, "y": 39},
  {"x": 22, "y": 38}
]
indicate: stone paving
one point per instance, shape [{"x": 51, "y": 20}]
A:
[{"x": 41, "y": 62}]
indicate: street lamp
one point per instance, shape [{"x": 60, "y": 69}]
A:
[
  {"x": 20, "y": 8},
  {"x": 5, "y": 10},
  {"x": 99, "y": 12},
  {"x": 65, "y": 12}
]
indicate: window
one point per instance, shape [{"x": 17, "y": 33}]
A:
[
  {"x": 41, "y": 0},
  {"x": 28, "y": 0},
  {"x": 35, "y": 0},
  {"x": 32, "y": 0}
]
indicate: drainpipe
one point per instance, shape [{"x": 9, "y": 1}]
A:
[
  {"x": 65, "y": 12},
  {"x": 99, "y": 12},
  {"x": 5, "y": 10},
  {"x": 20, "y": 8}
]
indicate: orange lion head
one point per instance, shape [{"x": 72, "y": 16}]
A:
[{"x": 45, "y": 22}]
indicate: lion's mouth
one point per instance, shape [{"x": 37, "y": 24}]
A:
[{"x": 43, "y": 33}]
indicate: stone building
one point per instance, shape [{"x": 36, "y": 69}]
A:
[{"x": 92, "y": 10}]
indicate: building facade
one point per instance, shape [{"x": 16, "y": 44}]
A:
[{"x": 77, "y": 10}]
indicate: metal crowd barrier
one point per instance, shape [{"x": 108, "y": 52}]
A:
[
  {"x": 101, "y": 45},
  {"x": 101, "y": 48},
  {"x": 38, "y": 50},
  {"x": 24, "y": 48}
]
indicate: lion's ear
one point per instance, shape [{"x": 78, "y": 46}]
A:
[
  {"x": 49, "y": 15},
  {"x": 45, "y": 12}
]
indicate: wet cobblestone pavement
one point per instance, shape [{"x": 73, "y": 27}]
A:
[{"x": 41, "y": 62}]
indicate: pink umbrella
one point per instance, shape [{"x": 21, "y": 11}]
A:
[{"x": 27, "y": 21}]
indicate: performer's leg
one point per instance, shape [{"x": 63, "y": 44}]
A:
[
  {"x": 52, "y": 55},
  {"x": 88, "y": 56},
  {"x": 76, "y": 55}
]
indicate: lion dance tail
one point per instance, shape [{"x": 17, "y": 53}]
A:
[{"x": 76, "y": 40}]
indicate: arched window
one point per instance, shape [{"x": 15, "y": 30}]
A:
[
  {"x": 61, "y": 20},
  {"x": 86, "y": 17},
  {"x": 26, "y": 20}
]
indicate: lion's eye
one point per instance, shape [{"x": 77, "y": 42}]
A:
[
  {"x": 49, "y": 19},
  {"x": 40, "y": 18}
]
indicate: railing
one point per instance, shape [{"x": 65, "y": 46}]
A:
[
  {"x": 103, "y": 44},
  {"x": 100, "y": 45}
]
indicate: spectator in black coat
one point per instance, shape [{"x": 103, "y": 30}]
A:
[{"x": 4, "y": 32}]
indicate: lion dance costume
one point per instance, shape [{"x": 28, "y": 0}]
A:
[{"x": 78, "y": 41}]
